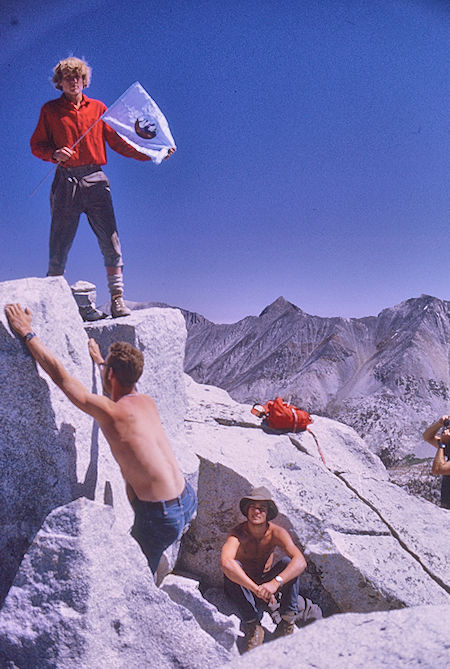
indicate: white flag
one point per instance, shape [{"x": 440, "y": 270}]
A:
[{"x": 140, "y": 122}]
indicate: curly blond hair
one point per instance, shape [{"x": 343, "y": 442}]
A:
[{"x": 71, "y": 65}]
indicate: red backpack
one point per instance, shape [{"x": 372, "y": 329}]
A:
[{"x": 280, "y": 415}]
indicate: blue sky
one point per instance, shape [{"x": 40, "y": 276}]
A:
[{"x": 312, "y": 155}]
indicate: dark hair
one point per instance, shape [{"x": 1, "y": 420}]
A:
[{"x": 126, "y": 361}]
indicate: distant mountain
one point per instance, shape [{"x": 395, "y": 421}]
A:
[
  {"x": 387, "y": 376},
  {"x": 191, "y": 317}
]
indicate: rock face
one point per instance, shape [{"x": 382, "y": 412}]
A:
[
  {"x": 407, "y": 638},
  {"x": 161, "y": 336},
  {"x": 76, "y": 589},
  {"x": 47, "y": 449},
  {"x": 386, "y": 376},
  {"x": 369, "y": 544},
  {"x": 417, "y": 479},
  {"x": 50, "y": 452},
  {"x": 84, "y": 598}
]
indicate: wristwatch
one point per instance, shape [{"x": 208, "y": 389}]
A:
[
  {"x": 279, "y": 580},
  {"x": 442, "y": 446},
  {"x": 26, "y": 338}
]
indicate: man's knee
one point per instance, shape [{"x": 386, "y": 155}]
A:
[{"x": 282, "y": 563}]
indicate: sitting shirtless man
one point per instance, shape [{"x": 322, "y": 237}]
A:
[
  {"x": 162, "y": 500},
  {"x": 251, "y": 578}
]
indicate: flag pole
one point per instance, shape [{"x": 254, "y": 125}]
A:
[{"x": 80, "y": 138}]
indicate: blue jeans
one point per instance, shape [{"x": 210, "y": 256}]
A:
[
  {"x": 157, "y": 525},
  {"x": 252, "y": 607}
]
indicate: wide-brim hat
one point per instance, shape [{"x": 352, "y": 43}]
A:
[{"x": 260, "y": 494}]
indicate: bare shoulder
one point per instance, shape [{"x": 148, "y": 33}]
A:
[
  {"x": 279, "y": 534},
  {"x": 277, "y": 530},
  {"x": 97, "y": 406},
  {"x": 143, "y": 403},
  {"x": 239, "y": 531},
  {"x": 140, "y": 397}
]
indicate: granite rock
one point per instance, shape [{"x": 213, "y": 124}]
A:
[
  {"x": 413, "y": 637},
  {"x": 84, "y": 598},
  {"x": 52, "y": 453},
  {"x": 357, "y": 559}
]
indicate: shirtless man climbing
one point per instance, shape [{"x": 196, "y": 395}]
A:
[{"x": 162, "y": 500}]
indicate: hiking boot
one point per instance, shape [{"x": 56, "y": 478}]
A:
[
  {"x": 91, "y": 314},
  {"x": 254, "y": 635},
  {"x": 85, "y": 295},
  {"x": 284, "y": 628},
  {"x": 118, "y": 307}
]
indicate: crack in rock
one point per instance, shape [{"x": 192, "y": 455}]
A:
[{"x": 397, "y": 536}]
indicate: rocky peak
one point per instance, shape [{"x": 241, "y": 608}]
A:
[
  {"x": 344, "y": 368},
  {"x": 279, "y": 307}
]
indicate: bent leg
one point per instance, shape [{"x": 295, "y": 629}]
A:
[
  {"x": 289, "y": 590},
  {"x": 250, "y": 607},
  {"x": 158, "y": 525},
  {"x": 98, "y": 206},
  {"x": 153, "y": 531}
]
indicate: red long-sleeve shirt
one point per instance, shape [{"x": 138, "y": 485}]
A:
[{"x": 62, "y": 124}]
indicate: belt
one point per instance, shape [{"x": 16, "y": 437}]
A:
[
  {"x": 80, "y": 171},
  {"x": 163, "y": 503}
]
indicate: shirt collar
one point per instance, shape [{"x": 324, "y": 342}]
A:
[{"x": 69, "y": 105}]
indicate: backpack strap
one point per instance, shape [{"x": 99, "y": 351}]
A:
[{"x": 295, "y": 419}]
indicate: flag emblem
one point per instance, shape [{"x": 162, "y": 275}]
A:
[{"x": 145, "y": 128}]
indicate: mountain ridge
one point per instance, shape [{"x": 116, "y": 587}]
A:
[{"x": 387, "y": 376}]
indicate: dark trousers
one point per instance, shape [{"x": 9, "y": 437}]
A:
[
  {"x": 252, "y": 607},
  {"x": 75, "y": 191},
  {"x": 445, "y": 492}
]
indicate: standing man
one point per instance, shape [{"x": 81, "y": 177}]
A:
[
  {"x": 80, "y": 185},
  {"x": 441, "y": 466},
  {"x": 251, "y": 579},
  {"x": 162, "y": 500}
]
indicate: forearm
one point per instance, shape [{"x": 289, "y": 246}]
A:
[
  {"x": 431, "y": 432},
  {"x": 20, "y": 322},
  {"x": 47, "y": 360},
  {"x": 120, "y": 146},
  {"x": 233, "y": 570}
]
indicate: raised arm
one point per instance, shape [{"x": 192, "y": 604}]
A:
[
  {"x": 297, "y": 564},
  {"x": 120, "y": 145},
  {"x": 94, "y": 405},
  {"x": 430, "y": 434}
]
